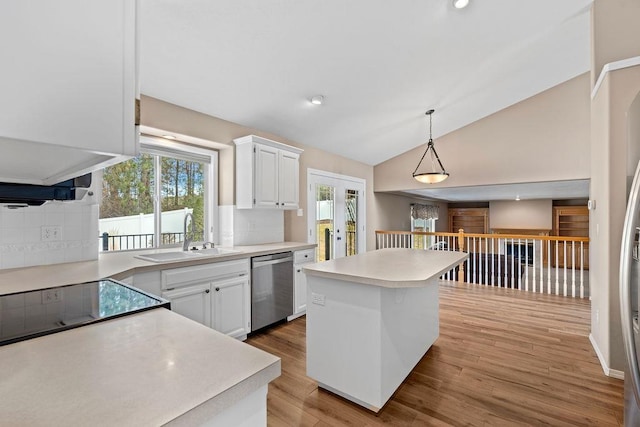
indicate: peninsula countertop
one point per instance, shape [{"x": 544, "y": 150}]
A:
[
  {"x": 389, "y": 268},
  {"x": 150, "y": 368}
]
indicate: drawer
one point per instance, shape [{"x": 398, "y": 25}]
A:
[
  {"x": 203, "y": 273},
  {"x": 306, "y": 255}
]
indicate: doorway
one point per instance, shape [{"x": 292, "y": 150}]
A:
[{"x": 336, "y": 214}]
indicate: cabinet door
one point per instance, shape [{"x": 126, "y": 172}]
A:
[
  {"x": 300, "y": 297},
  {"x": 231, "y": 306},
  {"x": 266, "y": 176},
  {"x": 193, "y": 302},
  {"x": 288, "y": 179},
  {"x": 68, "y": 79}
]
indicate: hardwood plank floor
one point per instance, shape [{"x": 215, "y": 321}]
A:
[{"x": 504, "y": 358}]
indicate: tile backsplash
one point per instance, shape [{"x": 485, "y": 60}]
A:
[
  {"x": 250, "y": 226},
  {"x": 53, "y": 233}
]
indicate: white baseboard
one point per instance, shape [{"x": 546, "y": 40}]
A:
[{"x": 613, "y": 373}]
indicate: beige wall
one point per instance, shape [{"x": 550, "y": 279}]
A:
[
  {"x": 614, "y": 36},
  {"x": 615, "y": 33},
  {"x": 396, "y": 212},
  {"x": 173, "y": 118},
  {"x": 521, "y": 214},
  {"x": 552, "y": 126},
  {"x": 609, "y": 146}
]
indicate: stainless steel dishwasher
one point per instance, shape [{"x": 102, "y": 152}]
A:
[{"x": 271, "y": 289}]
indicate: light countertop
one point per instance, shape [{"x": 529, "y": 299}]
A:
[
  {"x": 389, "y": 268},
  {"x": 119, "y": 265},
  {"x": 150, "y": 368}
]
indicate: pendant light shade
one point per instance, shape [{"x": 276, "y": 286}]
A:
[{"x": 437, "y": 172}]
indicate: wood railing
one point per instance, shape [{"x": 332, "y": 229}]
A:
[{"x": 544, "y": 264}]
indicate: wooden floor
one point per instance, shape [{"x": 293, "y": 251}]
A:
[{"x": 504, "y": 358}]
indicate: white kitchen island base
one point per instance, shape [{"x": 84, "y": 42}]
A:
[{"x": 363, "y": 339}]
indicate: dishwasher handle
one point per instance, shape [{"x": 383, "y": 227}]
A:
[{"x": 271, "y": 259}]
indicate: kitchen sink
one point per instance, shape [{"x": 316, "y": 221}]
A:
[
  {"x": 215, "y": 251},
  {"x": 186, "y": 255}
]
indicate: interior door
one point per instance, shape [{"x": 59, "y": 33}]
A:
[{"x": 336, "y": 211}]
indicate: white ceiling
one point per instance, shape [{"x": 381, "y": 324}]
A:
[
  {"x": 379, "y": 64},
  {"x": 574, "y": 189}
]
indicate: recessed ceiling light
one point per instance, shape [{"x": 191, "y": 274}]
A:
[
  {"x": 460, "y": 4},
  {"x": 168, "y": 137},
  {"x": 317, "y": 100}
]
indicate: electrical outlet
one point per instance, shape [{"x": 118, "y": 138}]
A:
[
  {"x": 317, "y": 298},
  {"x": 50, "y": 233},
  {"x": 51, "y": 295}
]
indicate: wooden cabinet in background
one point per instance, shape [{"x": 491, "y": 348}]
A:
[
  {"x": 571, "y": 221},
  {"x": 471, "y": 220}
]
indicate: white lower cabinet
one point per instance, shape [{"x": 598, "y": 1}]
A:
[
  {"x": 231, "y": 306},
  {"x": 193, "y": 302},
  {"x": 300, "y": 258},
  {"x": 218, "y": 295}
]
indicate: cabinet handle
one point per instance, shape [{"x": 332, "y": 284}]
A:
[
  {"x": 277, "y": 203},
  {"x": 299, "y": 271},
  {"x": 217, "y": 289},
  {"x": 207, "y": 291}
]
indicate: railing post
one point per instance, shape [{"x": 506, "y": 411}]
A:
[
  {"x": 461, "y": 249},
  {"x": 105, "y": 241}
]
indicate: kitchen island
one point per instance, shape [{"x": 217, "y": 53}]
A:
[{"x": 371, "y": 317}]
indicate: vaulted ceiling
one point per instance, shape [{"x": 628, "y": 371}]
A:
[{"x": 379, "y": 64}]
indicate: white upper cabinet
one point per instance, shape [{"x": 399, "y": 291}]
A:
[
  {"x": 267, "y": 174},
  {"x": 69, "y": 85}
]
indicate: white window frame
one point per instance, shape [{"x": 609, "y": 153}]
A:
[{"x": 162, "y": 147}]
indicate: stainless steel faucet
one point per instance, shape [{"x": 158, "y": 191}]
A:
[{"x": 187, "y": 237}]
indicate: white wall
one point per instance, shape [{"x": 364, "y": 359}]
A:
[
  {"x": 21, "y": 243},
  {"x": 521, "y": 214},
  {"x": 250, "y": 226}
]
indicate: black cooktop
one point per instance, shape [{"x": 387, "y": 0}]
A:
[{"x": 32, "y": 314}]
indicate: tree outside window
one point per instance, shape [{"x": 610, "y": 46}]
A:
[{"x": 129, "y": 195}]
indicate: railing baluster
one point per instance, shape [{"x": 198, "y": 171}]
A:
[
  {"x": 500, "y": 242},
  {"x": 582, "y": 270},
  {"x": 531, "y": 267},
  {"x": 533, "y": 279},
  {"x": 565, "y": 270},
  {"x": 573, "y": 269},
  {"x": 549, "y": 281}
]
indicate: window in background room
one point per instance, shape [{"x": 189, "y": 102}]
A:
[
  {"x": 423, "y": 218},
  {"x": 145, "y": 199}
]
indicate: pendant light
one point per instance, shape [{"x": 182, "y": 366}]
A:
[{"x": 437, "y": 174}]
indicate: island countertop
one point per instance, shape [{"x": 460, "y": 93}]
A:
[
  {"x": 151, "y": 368},
  {"x": 389, "y": 268}
]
